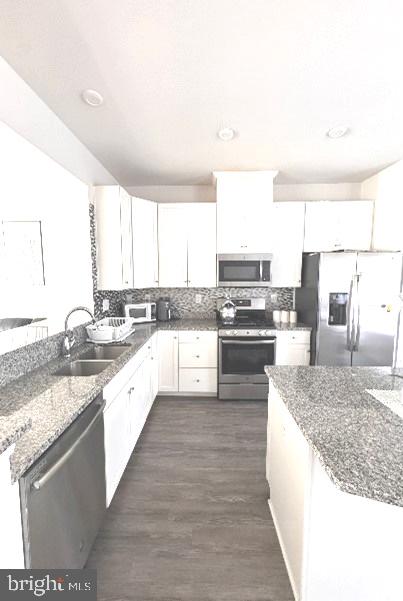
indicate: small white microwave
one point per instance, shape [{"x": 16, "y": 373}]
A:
[{"x": 141, "y": 312}]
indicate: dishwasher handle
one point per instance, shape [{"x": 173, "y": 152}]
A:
[{"x": 40, "y": 482}]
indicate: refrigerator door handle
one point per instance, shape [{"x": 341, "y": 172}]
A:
[
  {"x": 349, "y": 316},
  {"x": 357, "y": 313}
]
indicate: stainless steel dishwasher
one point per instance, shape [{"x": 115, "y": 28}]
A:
[{"x": 63, "y": 495}]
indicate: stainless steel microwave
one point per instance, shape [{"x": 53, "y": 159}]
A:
[{"x": 244, "y": 270}]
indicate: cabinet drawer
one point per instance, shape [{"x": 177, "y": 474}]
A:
[
  {"x": 197, "y": 355},
  {"x": 198, "y": 380},
  {"x": 299, "y": 337},
  {"x": 197, "y": 337}
]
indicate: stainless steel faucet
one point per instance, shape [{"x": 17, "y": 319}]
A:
[{"x": 69, "y": 340}]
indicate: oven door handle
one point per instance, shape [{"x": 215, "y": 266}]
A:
[{"x": 226, "y": 341}]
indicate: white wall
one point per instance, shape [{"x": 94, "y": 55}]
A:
[
  {"x": 307, "y": 192},
  {"x": 28, "y": 115},
  {"x": 34, "y": 187},
  {"x": 174, "y": 193},
  {"x": 302, "y": 192}
]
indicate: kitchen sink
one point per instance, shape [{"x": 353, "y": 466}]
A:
[
  {"x": 109, "y": 352},
  {"x": 82, "y": 368}
]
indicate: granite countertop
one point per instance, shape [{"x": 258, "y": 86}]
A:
[
  {"x": 12, "y": 427},
  {"x": 36, "y": 408},
  {"x": 40, "y": 406},
  {"x": 357, "y": 439}
]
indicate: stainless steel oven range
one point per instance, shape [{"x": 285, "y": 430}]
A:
[{"x": 244, "y": 348}]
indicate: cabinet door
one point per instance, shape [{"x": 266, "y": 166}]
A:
[
  {"x": 113, "y": 233},
  {"x": 298, "y": 354},
  {"x": 338, "y": 225},
  {"x": 387, "y": 189},
  {"x": 153, "y": 208},
  {"x": 354, "y": 220},
  {"x": 319, "y": 235},
  {"x": 288, "y": 240},
  {"x": 11, "y": 548},
  {"x": 145, "y": 244},
  {"x": 200, "y": 380},
  {"x": 117, "y": 449},
  {"x": 288, "y": 472},
  {"x": 291, "y": 351},
  {"x": 202, "y": 248},
  {"x": 154, "y": 367},
  {"x": 172, "y": 245},
  {"x": 138, "y": 409},
  {"x": 244, "y": 212},
  {"x": 126, "y": 239},
  {"x": 168, "y": 361}
]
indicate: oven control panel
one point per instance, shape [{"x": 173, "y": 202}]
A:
[{"x": 245, "y": 333}]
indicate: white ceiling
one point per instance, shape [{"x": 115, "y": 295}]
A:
[{"x": 172, "y": 72}]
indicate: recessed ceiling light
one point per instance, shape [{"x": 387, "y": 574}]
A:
[
  {"x": 92, "y": 97},
  {"x": 226, "y": 134},
  {"x": 337, "y": 132}
]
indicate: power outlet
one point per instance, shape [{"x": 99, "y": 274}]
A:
[
  {"x": 198, "y": 299},
  {"x": 147, "y": 298},
  {"x": 274, "y": 297},
  {"x": 105, "y": 304}
]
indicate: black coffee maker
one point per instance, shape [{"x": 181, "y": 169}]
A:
[{"x": 164, "y": 308}]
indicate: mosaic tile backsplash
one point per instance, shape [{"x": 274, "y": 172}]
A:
[{"x": 184, "y": 299}]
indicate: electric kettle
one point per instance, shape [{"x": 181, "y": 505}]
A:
[{"x": 227, "y": 311}]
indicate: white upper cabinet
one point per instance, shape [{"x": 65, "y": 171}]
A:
[
  {"x": 172, "y": 245},
  {"x": 338, "y": 225},
  {"x": 168, "y": 361},
  {"x": 386, "y": 188},
  {"x": 202, "y": 248},
  {"x": 244, "y": 211},
  {"x": 145, "y": 243},
  {"x": 114, "y": 237},
  {"x": 288, "y": 243},
  {"x": 187, "y": 245}
]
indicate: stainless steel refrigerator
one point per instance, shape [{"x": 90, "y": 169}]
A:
[{"x": 350, "y": 299}]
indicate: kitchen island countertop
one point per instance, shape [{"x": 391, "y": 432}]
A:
[{"x": 357, "y": 439}]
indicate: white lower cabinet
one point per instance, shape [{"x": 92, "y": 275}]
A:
[
  {"x": 168, "y": 361},
  {"x": 116, "y": 442},
  {"x": 336, "y": 546},
  {"x": 199, "y": 380},
  {"x": 198, "y": 362},
  {"x": 287, "y": 468},
  {"x": 129, "y": 398},
  {"x": 154, "y": 366},
  {"x": 12, "y": 548},
  {"x": 293, "y": 347}
]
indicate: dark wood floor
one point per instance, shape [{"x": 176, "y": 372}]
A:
[{"x": 190, "y": 521}]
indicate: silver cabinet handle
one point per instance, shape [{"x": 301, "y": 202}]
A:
[
  {"x": 40, "y": 483},
  {"x": 197, "y": 356},
  {"x": 357, "y": 314},
  {"x": 197, "y": 381}
]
